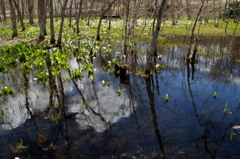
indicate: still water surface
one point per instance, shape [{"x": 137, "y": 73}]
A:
[{"x": 139, "y": 123}]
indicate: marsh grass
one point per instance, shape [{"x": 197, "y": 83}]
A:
[{"x": 19, "y": 148}]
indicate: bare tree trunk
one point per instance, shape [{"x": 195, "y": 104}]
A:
[
  {"x": 23, "y": 8},
  {"x": 90, "y": 13},
  {"x": 59, "y": 41},
  {"x": 154, "y": 41},
  {"x": 135, "y": 15},
  {"x": 118, "y": 7},
  {"x": 188, "y": 9},
  {"x": 109, "y": 17},
  {"x": 56, "y": 10},
  {"x": 193, "y": 31},
  {"x": 70, "y": 14},
  {"x": 235, "y": 12},
  {"x": 234, "y": 32},
  {"x": 46, "y": 4},
  {"x": 30, "y": 11},
  {"x": 126, "y": 26},
  {"x": 14, "y": 19},
  {"x": 46, "y": 7},
  {"x": 196, "y": 20},
  {"x": 41, "y": 19},
  {"x": 179, "y": 12},
  {"x": 79, "y": 14},
  {"x": 225, "y": 29},
  {"x": 154, "y": 17},
  {"x": 52, "y": 39},
  {"x": 109, "y": 23},
  {"x": 15, "y": 8},
  {"x": 19, "y": 14},
  {"x": 101, "y": 18},
  {"x": 206, "y": 16},
  {"x": 219, "y": 12},
  {"x": 225, "y": 10},
  {"x": 215, "y": 16},
  {"x": 2, "y": 3},
  {"x": 173, "y": 12}
]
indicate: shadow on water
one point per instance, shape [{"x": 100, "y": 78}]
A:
[{"x": 81, "y": 119}]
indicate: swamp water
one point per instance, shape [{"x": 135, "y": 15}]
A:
[{"x": 201, "y": 118}]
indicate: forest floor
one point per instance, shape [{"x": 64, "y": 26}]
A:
[
  {"x": 142, "y": 31},
  {"x": 10, "y": 41}
]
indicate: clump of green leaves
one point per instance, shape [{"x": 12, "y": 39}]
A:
[
  {"x": 159, "y": 67},
  {"x": 118, "y": 91},
  {"x": 5, "y": 32},
  {"x": 141, "y": 72},
  {"x": 92, "y": 78},
  {"x": 120, "y": 57},
  {"x": 56, "y": 118},
  {"x": 59, "y": 60},
  {"x": 110, "y": 66},
  {"x": 77, "y": 74},
  {"x": 106, "y": 83},
  {"x": 43, "y": 77},
  {"x": 5, "y": 91},
  {"x": 6, "y": 63},
  {"x": 159, "y": 57},
  {"x": 40, "y": 63},
  {"x": 19, "y": 148},
  {"x": 214, "y": 95},
  {"x": 166, "y": 97},
  {"x": 2, "y": 66}
]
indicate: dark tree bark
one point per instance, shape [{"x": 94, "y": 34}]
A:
[
  {"x": 23, "y": 8},
  {"x": 173, "y": 12},
  {"x": 235, "y": 29},
  {"x": 154, "y": 41},
  {"x": 14, "y": 19},
  {"x": 226, "y": 18},
  {"x": 101, "y": 18},
  {"x": 19, "y": 14},
  {"x": 188, "y": 9},
  {"x": 154, "y": 17},
  {"x": 56, "y": 10},
  {"x": 193, "y": 31},
  {"x": 70, "y": 14},
  {"x": 2, "y": 3},
  {"x": 126, "y": 26},
  {"x": 135, "y": 15},
  {"x": 30, "y": 11},
  {"x": 41, "y": 19},
  {"x": 46, "y": 4},
  {"x": 219, "y": 12},
  {"x": 109, "y": 18},
  {"x": 59, "y": 41},
  {"x": 79, "y": 15},
  {"x": 52, "y": 39},
  {"x": 90, "y": 13},
  {"x": 215, "y": 16}
]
